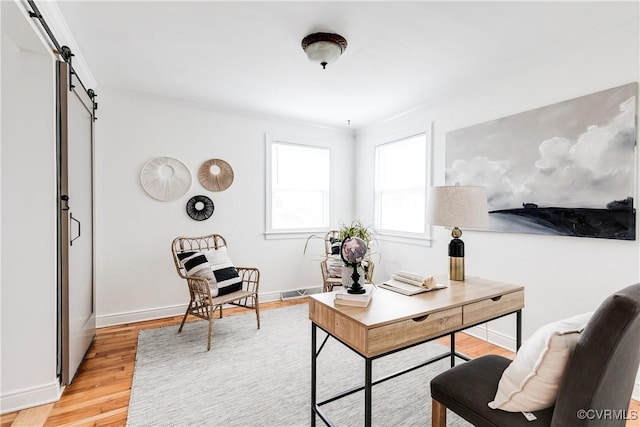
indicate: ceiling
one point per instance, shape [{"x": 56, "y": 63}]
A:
[{"x": 246, "y": 56}]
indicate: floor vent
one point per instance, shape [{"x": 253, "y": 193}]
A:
[{"x": 299, "y": 293}]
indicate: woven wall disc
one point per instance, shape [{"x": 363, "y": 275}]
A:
[
  {"x": 200, "y": 208},
  {"x": 215, "y": 175},
  {"x": 165, "y": 178}
]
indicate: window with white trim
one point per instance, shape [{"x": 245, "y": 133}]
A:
[
  {"x": 401, "y": 187},
  {"x": 298, "y": 187}
]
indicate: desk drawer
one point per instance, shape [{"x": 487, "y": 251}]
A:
[
  {"x": 481, "y": 311},
  {"x": 396, "y": 335}
]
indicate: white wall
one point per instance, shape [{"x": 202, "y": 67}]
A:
[
  {"x": 562, "y": 275},
  {"x": 136, "y": 278},
  {"x": 28, "y": 303}
]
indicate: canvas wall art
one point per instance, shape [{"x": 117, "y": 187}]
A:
[{"x": 564, "y": 169}]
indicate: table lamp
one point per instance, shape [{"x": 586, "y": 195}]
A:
[{"x": 457, "y": 206}]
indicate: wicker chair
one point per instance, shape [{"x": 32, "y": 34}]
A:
[{"x": 203, "y": 304}]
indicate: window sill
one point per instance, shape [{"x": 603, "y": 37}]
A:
[{"x": 298, "y": 234}]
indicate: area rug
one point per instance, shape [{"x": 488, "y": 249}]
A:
[{"x": 262, "y": 377}]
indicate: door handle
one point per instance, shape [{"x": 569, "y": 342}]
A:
[{"x": 79, "y": 229}]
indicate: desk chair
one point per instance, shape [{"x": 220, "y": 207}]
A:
[{"x": 599, "y": 376}]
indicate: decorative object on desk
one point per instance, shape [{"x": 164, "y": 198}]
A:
[
  {"x": 353, "y": 251},
  {"x": 410, "y": 283},
  {"x": 564, "y": 169},
  {"x": 357, "y": 229},
  {"x": 165, "y": 178},
  {"x": 215, "y": 175},
  {"x": 200, "y": 208},
  {"x": 457, "y": 206},
  {"x": 343, "y": 297}
]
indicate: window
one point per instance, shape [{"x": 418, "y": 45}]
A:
[
  {"x": 400, "y": 186},
  {"x": 298, "y": 187}
]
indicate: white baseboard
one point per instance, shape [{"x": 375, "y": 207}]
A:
[
  {"x": 30, "y": 397},
  {"x": 139, "y": 315},
  {"x": 496, "y": 338},
  {"x": 501, "y": 340},
  {"x": 635, "y": 394},
  {"x": 159, "y": 312}
]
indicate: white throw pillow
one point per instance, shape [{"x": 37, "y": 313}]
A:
[{"x": 531, "y": 381}]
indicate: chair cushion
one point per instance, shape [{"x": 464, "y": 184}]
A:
[
  {"x": 467, "y": 388},
  {"x": 531, "y": 381}
]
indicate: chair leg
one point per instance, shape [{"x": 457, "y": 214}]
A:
[
  {"x": 257, "y": 305},
  {"x": 438, "y": 414},
  {"x": 210, "y": 331},
  {"x": 184, "y": 318}
]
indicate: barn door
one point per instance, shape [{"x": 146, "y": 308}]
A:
[{"x": 76, "y": 296}]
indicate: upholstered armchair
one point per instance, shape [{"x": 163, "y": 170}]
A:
[{"x": 594, "y": 388}]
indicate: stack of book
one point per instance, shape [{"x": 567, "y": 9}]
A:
[
  {"x": 343, "y": 297},
  {"x": 410, "y": 283}
]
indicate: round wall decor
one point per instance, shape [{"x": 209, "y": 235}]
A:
[
  {"x": 215, "y": 175},
  {"x": 200, "y": 208},
  {"x": 165, "y": 178}
]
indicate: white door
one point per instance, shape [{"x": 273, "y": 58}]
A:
[{"x": 76, "y": 297}]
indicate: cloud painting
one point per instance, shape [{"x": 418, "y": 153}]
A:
[{"x": 567, "y": 168}]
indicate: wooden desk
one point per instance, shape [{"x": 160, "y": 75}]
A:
[{"x": 393, "y": 322}]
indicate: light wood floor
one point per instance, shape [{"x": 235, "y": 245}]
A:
[{"x": 99, "y": 395}]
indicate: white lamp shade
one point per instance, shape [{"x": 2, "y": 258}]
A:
[
  {"x": 323, "y": 52},
  {"x": 458, "y": 206}
]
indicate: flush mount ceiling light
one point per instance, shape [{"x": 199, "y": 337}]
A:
[{"x": 324, "y": 48}]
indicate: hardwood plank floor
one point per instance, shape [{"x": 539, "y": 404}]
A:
[{"x": 99, "y": 395}]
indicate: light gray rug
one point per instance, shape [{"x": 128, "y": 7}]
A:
[{"x": 262, "y": 377}]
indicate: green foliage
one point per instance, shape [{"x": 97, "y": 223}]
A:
[{"x": 355, "y": 229}]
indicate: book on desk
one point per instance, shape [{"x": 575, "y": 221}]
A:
[
  {"x": 410, "y": 283},
  {"x": 343, "y": 297}
]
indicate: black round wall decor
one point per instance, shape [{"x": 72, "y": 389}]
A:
[{"x": 200, "y": 208}]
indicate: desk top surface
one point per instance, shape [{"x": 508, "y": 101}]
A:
[{"x": 388, "y": 306}]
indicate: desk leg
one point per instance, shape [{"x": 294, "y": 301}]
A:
[
  {"x": 367, "y": 392},
  {"x": 453, "y": 349},
  {"x": 518, "y": 329},
  {"x": 313, "y": 373}
]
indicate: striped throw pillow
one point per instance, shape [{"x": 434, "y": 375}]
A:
[
  {"x": 225, "y": 274},
  {"x": 197, "y": 264}
]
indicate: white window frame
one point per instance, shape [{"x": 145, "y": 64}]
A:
[
  {"x": 418, "y": 238},
  {"x": 281, "y": 233}
]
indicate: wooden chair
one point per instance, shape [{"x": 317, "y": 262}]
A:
[
  {"x": 329, "y": 238},
  {"x": 202, "y": 303},
  {"x": 595, "y": 389}
]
